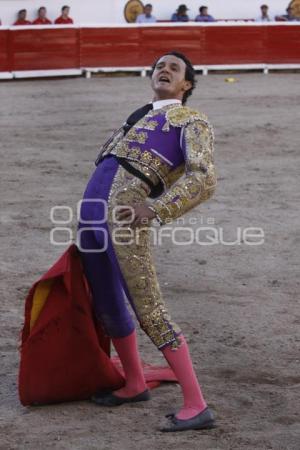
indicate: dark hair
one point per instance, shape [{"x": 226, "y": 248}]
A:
[
  {"x": 201, "y": 9},
  {"x": 148, "y": 5},
  {"x": 189, "y": 72},
  {"x": 264, "y": 6},
  {"x": 41, "y": 7},
  {"x": 65, "y": 7},
  {"x": 22, "y": 10}
]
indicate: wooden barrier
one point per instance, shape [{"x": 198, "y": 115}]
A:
[
  {"x": 5, "y": 65},
  {"x": 49, "y": 48},
  {"x": 282, "y": 44},
  {"x": 44, "y": 49}
]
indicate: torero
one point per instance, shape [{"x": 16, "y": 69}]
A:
[{"x": 163, "y": 152}]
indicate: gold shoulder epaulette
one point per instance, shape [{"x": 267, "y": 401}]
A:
[{"x": 183, "y": 115}]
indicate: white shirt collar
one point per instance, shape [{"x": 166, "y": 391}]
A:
[{"x": 161, "y": 103}]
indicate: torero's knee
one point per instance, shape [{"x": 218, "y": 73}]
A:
[{"x": 160, "y": 329}]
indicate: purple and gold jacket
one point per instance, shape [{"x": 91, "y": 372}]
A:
[{"x": 174, "y": 144}]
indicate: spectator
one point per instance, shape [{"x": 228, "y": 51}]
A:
[
  {"x": 21, "y": 20},
  {"x": 204, "y": 16},
  {"x": 147, "y": 16},
  {"x": 289, "y": 17},
  {"x": 64, "y": 18},
  {"x": 264, "y": 17},
  {"x": 180, "y": 15},
  {"x": 41, "y": 18}
]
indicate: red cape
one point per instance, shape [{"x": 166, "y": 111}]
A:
[{"x": 65, "y": 354}]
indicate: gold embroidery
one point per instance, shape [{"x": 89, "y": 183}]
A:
[
  {"x": 182, "y": 116},
  {"x": 146, "y": 123},
  {"x": 157, "y": 325},
  {"x": 153, "y": 162},
  {"x": 195, "y": 186},
  {"x": 137, "y": 266},
  {"x": 175, "y": 174},
  {"x": 134, "y": 136},
  {"x": 199, "y": 181},
  {"x": 146, "y": 157},
  {"x": 134, "y": 152}
]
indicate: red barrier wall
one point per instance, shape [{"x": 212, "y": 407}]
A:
[
  {"x": 283, "y": 45},
  {"x": 4, "y": 52},
  {"x": 109, "y": 47},
  {"x": 63, "y": 48},
  {"x": 44, "y": 49},
  {"x": 154, "y": 42},
  {"x": 235, "y": 45}
]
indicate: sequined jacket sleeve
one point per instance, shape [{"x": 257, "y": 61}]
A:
[{"x": 199, "y": 180}]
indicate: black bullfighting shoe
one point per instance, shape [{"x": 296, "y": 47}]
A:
[
  {"x": 202, "y": 421},
  {"x": 110, "y": 399}
]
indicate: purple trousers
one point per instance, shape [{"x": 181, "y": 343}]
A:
[
  {"x": 99, "y": 260},
  {"x": 120, "y": 273}
]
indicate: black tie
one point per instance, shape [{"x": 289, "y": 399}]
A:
[{"x": 136, "y": 116}]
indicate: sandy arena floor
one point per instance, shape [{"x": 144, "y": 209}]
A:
[{"x": 237, "y": 304}]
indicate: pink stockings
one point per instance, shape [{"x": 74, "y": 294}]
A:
[
  {"x": 181, "y": 364},
  {"x": 127, "y": 350}
]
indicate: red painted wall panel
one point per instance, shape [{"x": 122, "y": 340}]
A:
[
  {"x": 45, "y": 49},
  {"x": 4, "y": 52},
  {"x": 283, "y": 45},
  {"x": 107, "y": 47},
  {"x": 235, "y": 45},
  {"x": 37, "y": 49},
  {"x": 155, "y": 41}
]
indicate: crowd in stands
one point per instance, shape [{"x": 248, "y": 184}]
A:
[
  {"x": 42, "y": 19},
  {"x": 180, "y": 15}
]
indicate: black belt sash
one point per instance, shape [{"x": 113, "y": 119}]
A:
[{"x": 156, "y": 190}]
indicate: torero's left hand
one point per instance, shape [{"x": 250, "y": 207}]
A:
[{"x": 136, "y": 215}]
